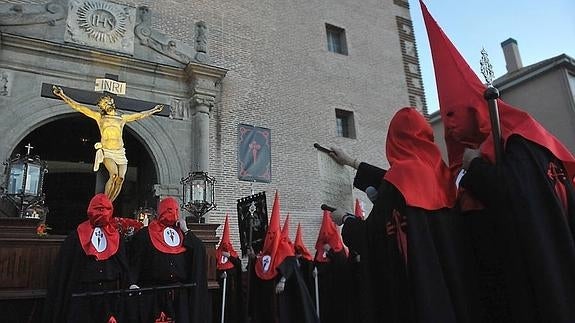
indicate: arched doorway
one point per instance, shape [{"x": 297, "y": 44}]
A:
[{"x": 67, "y": 144}]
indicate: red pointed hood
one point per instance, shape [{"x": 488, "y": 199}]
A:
[
  {"x": 327, "y": 234},
  {"x": 416, "y": 168},
  {"x": 98, "y": 236},
  {"x": 299, "y": 246},
  {"x": 223, "y": 262},
  {"x": 265, "y": 262},
  {"x": 461, "y": 102},
  {"x": 285, "y": 247},
  {"x": 164, "y": 234},
  {"x": 358, "y": 210},
  {"x": 285, "y": 230}
]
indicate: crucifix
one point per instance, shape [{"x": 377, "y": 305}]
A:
[
  {"x": 110, "y": 150},
  {"x": 109, "y": 85}
]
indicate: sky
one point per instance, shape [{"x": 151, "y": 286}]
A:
[{"x": 542, "y": 29}]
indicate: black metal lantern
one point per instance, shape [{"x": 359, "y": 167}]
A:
[
  {"x": 198, "y": 194},
  {"x": 24, "y": 181}
]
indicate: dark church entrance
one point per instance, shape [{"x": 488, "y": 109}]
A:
[{"x": 67, "y": 145}]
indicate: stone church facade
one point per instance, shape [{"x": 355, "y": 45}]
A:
[{"x": 216, "y": 64}]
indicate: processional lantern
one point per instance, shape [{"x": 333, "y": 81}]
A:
[
  {"x": 198, "y": 194},
  {"x": 24, "y": 181}
]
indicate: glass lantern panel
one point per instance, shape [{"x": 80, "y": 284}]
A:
[
  {"x": 209, "y": 194},
  {"x": 32, "y": 180},
  {"x": 16, "y": 179},
  {"x": 198, "y": 191},
  {"x": 187, "y": 193}
]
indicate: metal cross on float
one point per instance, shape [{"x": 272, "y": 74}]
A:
[{"x": 28, "y": 147}]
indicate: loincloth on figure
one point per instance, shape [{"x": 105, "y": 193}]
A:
[{"x": 117, "y": 155}]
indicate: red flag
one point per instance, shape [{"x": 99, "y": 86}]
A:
[
  {"x": 299, "y": 246},
  {"x": 223, "y": 262},
  {"x": 265, "y": 261},
  {"x": 327, "y": 234}
]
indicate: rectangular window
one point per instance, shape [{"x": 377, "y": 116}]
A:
[
  {"x": 336, "y": 42},
  {"x": 344, "y": 124}
]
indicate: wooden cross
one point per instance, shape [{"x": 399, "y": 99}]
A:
[{"x": 92, "y": 98}]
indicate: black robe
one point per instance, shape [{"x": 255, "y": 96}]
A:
[
  {"x": 414, "y": 259},
  {"x": 334, "y": 288},
  {"x": 295, "y": 304},
  {"x": 235, "y": 311},
  {"x": 150, "y": 267},
  {"x": 485, "y": 234},
  {"x": 262, "y": 300},
  {"x": 75, "y": 273},
  {"x": 306, "y": 268},
  {"x": 359, "y": 289},
  {"x": 538, "y": 241}
]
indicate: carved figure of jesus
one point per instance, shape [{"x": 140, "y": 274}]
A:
[{"x": 110, "y": 150}]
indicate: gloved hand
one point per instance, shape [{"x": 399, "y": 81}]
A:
[
  {"x": 226, "y": 254},
  {"x": 468, "y": 156},
  {"x": 337, "y": 216},
  {"x": 342, "y": 158},
  {"x": 281, "y": 285},
  {"x": 182, "y": 224},
  {"x": 326, "y": 247}
]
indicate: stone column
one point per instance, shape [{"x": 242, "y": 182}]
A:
[
  {"x": 204, "y": 82},
  {"x": 201, "y": 107}
]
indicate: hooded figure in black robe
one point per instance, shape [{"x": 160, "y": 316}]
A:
[
  {"x": 305, "y": 261},
  {"x": 410, "y": 244},
  {"x": 294, "y": 300},
  {"x": 262, "y": 301},
  {"x": 334, "y": 274},
  {"x": 229, "y": 264},
  {"x": 91, "y": 259},
  {"x": 278, "y": 292},
  {"x": 529, "y": 187},
  {"x": 165, "y": 254}
]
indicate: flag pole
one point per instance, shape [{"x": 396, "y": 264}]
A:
[
  {"x": 491, "y": 94},
  {"x": 225, "y": 277},
  {"x": 315, "y": 278}
]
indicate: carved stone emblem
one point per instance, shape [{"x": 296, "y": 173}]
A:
[{"x": 101, "y": 24}]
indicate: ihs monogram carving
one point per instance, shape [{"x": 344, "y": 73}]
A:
[
  {"x": 102, "y": 21},
  {"x": 101, "y": 24}
]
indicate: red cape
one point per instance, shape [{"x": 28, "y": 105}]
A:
[{"x": 100, "y": 212}]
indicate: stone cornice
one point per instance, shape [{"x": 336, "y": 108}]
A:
[
  {"x": 205, "y": 79},
  {"x": 17, "y": 14},
  {"x": 101, "y": 58}
]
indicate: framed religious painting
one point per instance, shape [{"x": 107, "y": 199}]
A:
[{"x": 254, "y": 154}]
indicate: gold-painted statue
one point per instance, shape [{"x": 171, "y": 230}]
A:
[{"x": 110, "y": 150}]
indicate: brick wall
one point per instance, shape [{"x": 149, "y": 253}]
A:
[{"x": 282, "y": 77}]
